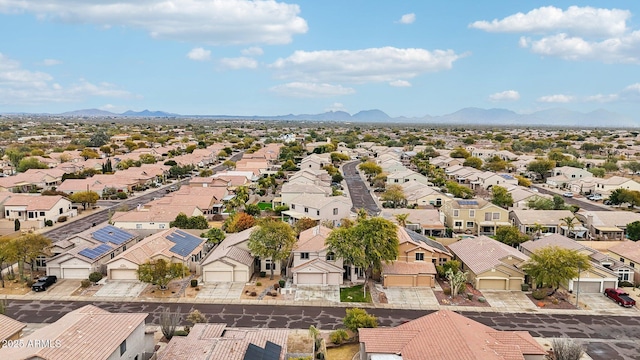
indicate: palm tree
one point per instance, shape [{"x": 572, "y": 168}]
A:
[
  {"x": 536, "y": 229},
  {"x": 402, "y": 219},
  {"x": 570, "y": 222}
]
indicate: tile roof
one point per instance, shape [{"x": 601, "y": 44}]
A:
[
  {"x": 34, "y": 202},
  {"x": 552, "y": 240},
  {"x": 165, "y": 213},
  {"x": 542, "y": 217},
  {"x": 154, "y": 245},
  {"x": 9, "y": 327},
  {"x": 312, "y": 239},
  {"x": 434, "y": 335},
  {"x": 229, "y": 248},
  {"x": 482, "y": 253},
  {"x": 628, "y": 249}
]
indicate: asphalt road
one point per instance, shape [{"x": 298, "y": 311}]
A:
[
  {"x": 605, "y": 337},
  {"x": 581, "y": 202},
  {"x": 73, "y": 227},
  {"x": 360, "y": 195}
]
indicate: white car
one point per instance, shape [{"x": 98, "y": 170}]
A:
[
  {"x": 595, "y": 197},
  {"x": 568, "y": 194}
]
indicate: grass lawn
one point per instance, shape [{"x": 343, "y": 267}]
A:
[
  {"x": 264, "y": 205},
  {"x": 354, "y": 294},
  {"x": 344, "y": 352}
]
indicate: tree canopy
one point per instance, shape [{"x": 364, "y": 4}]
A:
[
  {"x": 272, "y": 239},
  {"x": 553, "y": 266},
  {"x": 160, "y": 272},
  {"x": 501, "y": 197},
  {"x": 192, "y": 222},
  {"x": 85, "y": 198},
  {"x": 510, "y": 235}
]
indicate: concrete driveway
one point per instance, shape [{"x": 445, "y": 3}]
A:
[
  {"x": 121, "y": 288},
  {"x": 412, "y": 298},
  {"x": 329, "y": 293},
  {"x": 63, "y": 287},
  {"x": 509, "y": 301},
  {"x": 223, "y": 290},
  {"x": 601, "y": 303}
]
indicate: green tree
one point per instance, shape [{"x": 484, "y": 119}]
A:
[
  {"x": 598, "y": 172},
  {"x": 8, "y": 256},
  {"x": 553, "y": 266},
  {"x": 496, "y": 164},
  {"x": 501, "y": 197},
  {"x": 182, "y": 221},
  {"x": 474, "y": 162},
  {"x": 401, "y": 219},
  {"x": 160, "y": 272},
  {"x": 147, "y": 159},
  {"x": 460, "y": 153},
  {"x": 107, "y": 167},
  {"x": 541, "y": 167},
  {"x": 633, "y": 230},
  {"x": 394, "y": 194},
  {"x": 214, "y": 236},
  {"x": 252, "y": 209},
  {"x": 523, "y": 181},
  {"x": 570, "y": 222},
  {"x": 272, "y": 239},
  {"x": 98, "y": 139},
  {"x": 540, "y": 203},
  {"x": 85, "y": 198},
  {"x": 458, "y": 190},
  {"x": 357, "y": 318},
  {"x": 27, "y": 248},
  {"x": 289, "y": 165},
  {"x": 370, "y": 169},
  {"x": 229, "y": 164},
  {"x": 510, "y": 235},
  {"x": 633, "y": 166},
  {"x": 30, "y": 163},
  {"x": 88, "y": 153},
  {"x": 457, "y": 280},
  {"x": 338, "y": 158},
  {"x": 205, "y": 173}
]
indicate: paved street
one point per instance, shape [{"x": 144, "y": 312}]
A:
[
  {"x": 581, "y": 201},
  {"x": 606, "y": 337},
  {"x": 360, "y": 195}
]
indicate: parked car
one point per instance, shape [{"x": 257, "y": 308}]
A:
[
  {"x": 44, "y": 282},
  {"x": 620, "y": 297},
  {"x": 568, "y": 194},
  {"x": 595, "y": 197}
]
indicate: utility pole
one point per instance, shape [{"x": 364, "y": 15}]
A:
[{"x": 578, "y": 288}]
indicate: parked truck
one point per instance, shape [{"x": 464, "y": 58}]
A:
[
  {"x": 43, "y": 283},
  {"x": 620, "y": 297}
]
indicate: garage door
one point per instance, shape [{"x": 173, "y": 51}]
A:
[
  {"x": 72, "y": 273},
  {"x": 310, "y": 279},
  {"x": 398, "y": 280},
  {"x": 218, "y": 276},
  {"x": 492, "y": 284},
  {"x": 587, "y": 287},
  {"x": 123, "y": 274},
  {"x": 515, "y": 284},
  {"x": 240, "y": 276}
]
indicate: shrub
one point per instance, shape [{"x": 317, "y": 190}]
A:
[
  {"x": 121, "y": 195},
  {"x": 539, "y": 294},
  {"x": 320, "y": 356},
  {"x": 625, "y": 284},
  {"x": 470, "y": 296},
  {"x": 555, "y": 301},
  {"x": 253, "y": 293},
  {"x": 281, "y": 283},
  {"x": 85, "y": 283},
  {"x": 194, "y": 283},
  {"x": 258, "y": 283},
  {"x": 447, "y": 291},
  {"x": 181, "y": 333},
  {"x": 276, "y": 286},
  {"x": 339, "y": 336},
  {"x": 566, "y": 349},
  {"x": 481, "y": 299},
  {"x": 48, "y": 223},
  {"x": 95, "y": 276},
  {"x": 62, "y": 219}
]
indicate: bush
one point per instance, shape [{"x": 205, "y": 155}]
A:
[
  {"x": 447, "y": 291},
  {"x": 95, "y": 276},
  {"x": 470, "y": 296},
  {"x": 276, "y": 286},
  {"x": 85, "y": 283},
  {"x": 194, "y": 282},
  {"x": 121, "y": 195},
  {"x": 181, "y": 333},
  {"x": 555, "y": 301},
  {"x": 539, "y": 294},
  {"x": 320, "y": 356},
  {"x": 253, "y": 293},
  {"x": 625, "y": 284},
  {"x": 339, "y": 336},
  {"x": 281, "y": 283},
  {"x": 258, "y": 283},
  {"x": 48, "y": 223},
  {"x": 62, "y": 219},
  {"x": 481, "y": 299}
]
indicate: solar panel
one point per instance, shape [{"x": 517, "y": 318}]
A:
[
  {"x": 507, "y": 176},
  {"x": 467, "y": 202},
  {"x": 96, "y": 252},
  {"x": 112, "y": 234},
  {"x": 271, "y": 351},
  {"x": 185, "y": 243}
]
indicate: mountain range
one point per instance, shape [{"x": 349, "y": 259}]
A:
[{"x": 466, "y": 116}]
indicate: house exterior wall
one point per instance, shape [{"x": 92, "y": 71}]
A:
[
  {"x": 135, "y": 345},
  {"x": 61, "y": 208},
  {"x": 322, "y": 255},
  {"x": 120, "y": 264}
]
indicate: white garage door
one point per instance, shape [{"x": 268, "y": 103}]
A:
[
  {"x": 587, "y": 287},
  {"x": 123, "y": 274},
  {"x": 240, "y": 276},
  {"x": 218, "y": 276},
  {"x": 309, "y": 279},
  {"x": 74, "y": 273}
]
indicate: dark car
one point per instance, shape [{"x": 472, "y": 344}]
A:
[{"x": 43, "y": 283}]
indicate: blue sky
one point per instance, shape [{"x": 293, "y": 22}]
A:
[{"x": 239, "y": 57}]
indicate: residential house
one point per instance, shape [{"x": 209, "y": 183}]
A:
[
  {"x": 560, "y": 176},
  {"x": 445, "y": 162},
  {"x": 172, "y": 245},
  {"x": 220, "y": 342},
  {"x": 391, "y": 166},
  {"x": 308, "y": 176},
  {"x": 428, "y": 222},
  {"x": 292, "y": 190},
  {"x": 313, "y": 264},
  {"x": 491, "y": 265},
  {"x": 198, "y": 181},
  {"x": 208, "y": 199},
  {"x": 319, "y": 207},
  {"x": 87, "y": 252},
  {"x": 462, "y": 174},
  {"x": 434, "y": 336},
  {"x": 628, "y": 252},
  {"x": 607, "y": 186},
  {"x": 521, "y": 196},
  {"x": 153, "y": 218},
  {"x": 35, "y": 210},
  {"x": 401, "y": 177},
  {"x": 422, "y": 195},
  {"x": 488, "y": 179},
  {"x": 98, "y": 184},
  {"x": 528, "y": 220},
  {"x": 604, "y": 272},
  {"x": 607, "y": 225},
  {"x": 44, "y": 178},
  {"x": 476, "y": 216},
  {"x": 10, "y": 330},
  {"x": 87, "y": 333},
  {"x": 315, "y": 161},
  {"x": 231, "y": 260},
  {"x": 417, "y": 257}
]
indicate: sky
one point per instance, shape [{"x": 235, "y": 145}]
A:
[{"x": 239, "y": 57}]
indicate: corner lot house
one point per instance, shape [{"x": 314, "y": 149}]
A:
[
  {"x": 312, "y": 263},
  {"x": 88, "y": 333},
  {"x": 172, "y": 245},
  {"x": 36, "y": 209},
  {"x": 492, "y": 265},
  {"x": 432, "y": 336}
]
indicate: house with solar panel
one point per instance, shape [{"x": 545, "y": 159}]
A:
[
  {"x": 172, "y": 245},
  {"x": 87, "y": 252},
  {"x": 476, "y": 216}
]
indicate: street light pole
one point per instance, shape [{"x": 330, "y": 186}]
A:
[{"x": 578, "y": 288}]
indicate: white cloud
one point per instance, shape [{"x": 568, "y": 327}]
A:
[
  {"x": 199, "y": 54},
  {"x": 311, "y": 90},
  {"x": 400, "y": 83},
  {"x": 384, "y": 64},
  {"x": 509, "y": 95},
  {"x": 51, "y": 62},
  {"x": 210, "y": 22},
  {"x": 238, "y": 63},
  {"x": 24, "y": 87},
  {"x": 614, "y": 50},
  {"x": 602, "y": 98},
  {"x": 252, "y": 51},
  {"x": 336, "y": 106},
  {"x": 408, "y": 18},
  {"x": 575, "y": 20},
  {"x": 558, "y": 98}
]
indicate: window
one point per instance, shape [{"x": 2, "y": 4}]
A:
[
  {"x": 472, "y": 213},
  {"x": 457, "y": 224},
  {"x": 41, "y": 261},
  {"x": 41, "y": 213},
  {"x": 31, "y": 214},
  {"x": 419, "y": 256},
  {"x": 633, "y": 265},
  {"x": 60, "y": 210},
  {"x": 496, "y": 216},
  {"x": 293, "y": 206},
  {"x": 456, "y": 213},
  {"x": 318, "y": 212},
  {"x": 124, "y": 248},
  {"x": 267, "y": 265},
  {"x": 469, "y": 224},
  {"x": 113, "y": 255},
  {"x": 123, "y": 347},
  {"x": 335, "y": 211},
  {"x": 331, "y": 256},
  {"x": 487, "y": 216},
  {"x": 161, "y": 226},
  {"x": 624, "y": 274},
  {"x": 138, "y": 226},
  {"x": 304, "y": 255},
  {"x": 306, "y": 209},
  {"x": 622, "y": 260}
]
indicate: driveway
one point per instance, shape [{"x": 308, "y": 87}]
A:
[
  {"x": 64, "y": 287},
  {"x": 605, "y": 306},
  {"x": 509, "y": 301},
  {"x": 121, "y": 288},
  {"x": 410, "y": 297},
  {"x": 329, "y": 293},
  {"x": 223, "y": 291}
]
